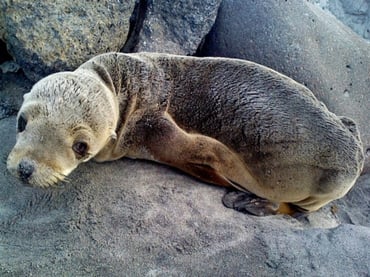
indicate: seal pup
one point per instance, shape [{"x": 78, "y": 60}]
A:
[{"x": 225, "y": 121}]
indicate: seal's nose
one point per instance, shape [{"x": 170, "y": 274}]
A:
[{"x": 25, "y": 170}]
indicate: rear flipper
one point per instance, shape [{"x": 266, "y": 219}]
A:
[
  {"x": 247, "y": 202},
  {"x": 200, "y": 156}
]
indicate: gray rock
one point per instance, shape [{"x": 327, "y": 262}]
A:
[
  {"x": 355, "y": 14},
  {"x": 2, "y": 25},
  {"x": 302, "y": 41},
  {"x": 12, "y": 88},
  {"x": 9, "y": 66},
  {"x": 175, "y": 27},
  {"x": 4, "y": 55},
  {"x": 134, "y": 218},
  {"x": 48, "y": 36},
  {"x": 2, "y": 22}
]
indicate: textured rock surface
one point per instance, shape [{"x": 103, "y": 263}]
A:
[
  {"x": 12, "y": 88},
  {"x": 4, "y": 55},
  {"x": 175, "y": 27},
  {"x": 132, "y": 218},
  {"x": 2, "y": 26},
  {"x": 303, "y": 42},
  {"x": 355, "y": 14},
  {"x": 49, "y": 36}
]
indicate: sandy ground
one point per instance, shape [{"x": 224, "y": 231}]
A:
[{"x": 135, "y": 218}]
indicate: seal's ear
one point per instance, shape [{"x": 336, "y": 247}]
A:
[{"x": 113, "y": 136}]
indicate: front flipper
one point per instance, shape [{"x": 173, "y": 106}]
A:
[
  {"x": 201, "y": 156},
  {"x": 247, "y": 202},
  {"x": 207, "y": 174}
]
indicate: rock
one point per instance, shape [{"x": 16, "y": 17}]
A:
[
  {"x": 4, "y": 55},
  {"x": 355, "y": 14},
  {"x": 2, "y": 23},
  {"x": 303, "y": 42},
  {"x": 135, "y": 218},
  {"x": 9, "y": 66},
  {"x": 12, "y": 88},
  {"x": 48, "y": 36},
  {"x": 175, "y": 27}
]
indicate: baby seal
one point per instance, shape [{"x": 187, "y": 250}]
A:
[{"x": 225, "y": 121}]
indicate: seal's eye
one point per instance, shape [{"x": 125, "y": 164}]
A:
[
  {"x": 80, "y": 148},
  {"x": 22, "y": 122}
]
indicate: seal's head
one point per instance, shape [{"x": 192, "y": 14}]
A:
[{"x": 65, "y": 120}]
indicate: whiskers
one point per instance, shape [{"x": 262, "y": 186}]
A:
[{"x": 46, "y": 177}]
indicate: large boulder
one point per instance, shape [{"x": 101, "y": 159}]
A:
[
  {"x": 134, "y": 218},
  {"x": 48, "y": 36},
  {"x": 302, "y": 41},
  {"x": 175, "y": 27}
]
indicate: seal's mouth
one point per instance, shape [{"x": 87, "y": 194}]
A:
[
  {"x": 34, "y": 174},
  {"x": 45, "y": 180}
]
